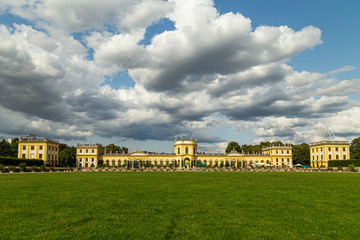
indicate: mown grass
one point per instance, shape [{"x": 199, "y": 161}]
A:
[{"x": 184, "y": 205}]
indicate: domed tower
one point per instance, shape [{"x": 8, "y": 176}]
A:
[{"x": 185, "y": 147}]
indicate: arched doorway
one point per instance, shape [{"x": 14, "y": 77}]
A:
[{"x": 187, "y": 163}]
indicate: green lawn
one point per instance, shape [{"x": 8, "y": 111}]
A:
[{"x": 182, "y": 205}]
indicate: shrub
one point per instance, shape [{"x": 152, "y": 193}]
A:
[
  {"x": 22, "y": 167},
  {"x": 33, "y": 168},
  {"x": 352, "y": 168},
  {"x": 1, "y": 167},
  {"x": 344, "y": 163},
  {"x": 42, "y": 168},
  {"x": 10, "y": 161}
]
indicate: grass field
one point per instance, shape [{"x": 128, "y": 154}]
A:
[{"x": 183, "y": 205}]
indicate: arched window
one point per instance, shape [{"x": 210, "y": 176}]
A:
[
  {"x": 210, "y": 162},
  {"x": 205, "y": 162},
  {"x": 161, "y": 163},
  {"x": 186, "y": 150},
  {"x": 119, "y": 163},
  {"x": 167, "y": 163},
  {"x": 113, "y": 163},
  {"x": 107, "y": 162},
  {"x": 155, "y": 163}
]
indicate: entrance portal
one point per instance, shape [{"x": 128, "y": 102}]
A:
[{"x": 186, "y": 162}]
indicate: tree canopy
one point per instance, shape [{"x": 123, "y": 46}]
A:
[
  {"x": 67, "y": 156},
  {"x": 355, "y": 148},
  {"x": 301, "y": 154},
  {"x": 233, "y": 145},
  {"x": 9, "y": 149},
  {"x": 112, "y": 148}
]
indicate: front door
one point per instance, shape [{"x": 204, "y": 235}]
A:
[{"x": 187, "y": 163}]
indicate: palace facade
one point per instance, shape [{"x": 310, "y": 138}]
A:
[
  {"x": 323, "y": 151},
  {"x": 32, "y": 147},
  {"x": 185, "y": 155}
]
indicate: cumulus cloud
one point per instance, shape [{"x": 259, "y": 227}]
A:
[{"x": 211, "y": 71}]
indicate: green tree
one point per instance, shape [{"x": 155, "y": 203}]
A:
[
  {"x": 112, "y": 148},
  {"x": 14, "y": 147},
  {"x": 124, "y": 150},
  {"x": 301, "y": 154},
  {"x": 233, "y": 146},
  {"x": 67, "y": 156},
  {"x": 5, "y": 149},
  {"x": 355, "y": 148}
]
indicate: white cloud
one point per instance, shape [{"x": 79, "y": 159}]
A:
[{"x": 212, "y": 70}]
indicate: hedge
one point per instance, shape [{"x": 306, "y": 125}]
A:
[
  {"x": 10, "y": 161},
  {"x": 343, "y": 163}
]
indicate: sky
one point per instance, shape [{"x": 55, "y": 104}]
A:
[{"x": 140, "y": 73}]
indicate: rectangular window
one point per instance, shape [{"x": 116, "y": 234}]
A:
[
  {"x": 24, "y": 147},
  {"x": 24, "y": 155},
  {"x": 49, "y": 148},
  {"x": 32, "y": 147},
  {"x": 282, "y": 151},
  {"x": 312, "y": 150},
  {"x": 320, "y": 149},
  {"x": 80, "y": 151},
  {"x": 321, "y": 157},
  {"x": 276, "y": 151},
  {"x": 40, "y": 156},
  {"x": 40, "y": 147},
  {"x": 92, "y": 151},
  {"x": 329, "y": 157},
  {"x": 92, "y": 159},
  {"x": 344, "y": 150},
  {"x": 86, "y": 159},
  {"x": 80, "y": 159},
  {"x": 86, "y": 151},
  {"x": 317, "y": 157},
  {"x": 336, "y": 149},
  {"x": 287, "y": 151},
  {"x": 337, "y": 157},
  {"x": 313, "y": 158},
  {"x": 317, "y": 150},
  {"x": 329, "y": 149},
  {"x": 344, "y": 157}
]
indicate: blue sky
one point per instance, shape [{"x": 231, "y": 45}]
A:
[{"x": 139, "y": 73}]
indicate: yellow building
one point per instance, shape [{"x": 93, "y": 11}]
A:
[
  {"x": 322, "y": 152},
  {"x": 89, "y": 155},
  {"x": 185, "y": 156},
  {"x": 31, "y": 147}
]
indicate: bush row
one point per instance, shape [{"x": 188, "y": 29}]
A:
[
  {"x": 9, "y": 161},
  {"x": 344, "y": 163}
]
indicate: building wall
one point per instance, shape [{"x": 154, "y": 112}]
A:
[
  {"x": 185, "y": 156},
  {"x": 321, "y": 153},
  {"x": 44, "y": 150},
  {"x": 89, "y": 155}
]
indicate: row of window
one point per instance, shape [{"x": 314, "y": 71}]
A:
[
  {"x": 86, "y": 160},
  {"x": 187, "y": 150},
  {"x": 32, "y": 147},
  {"x": 282, "y": 151},
  {"x": 329, "y": 149},
  {"x": 330, "y": 157},
  {"x": 87, "y": 151},
  {"x": 40, "y": 156}
]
